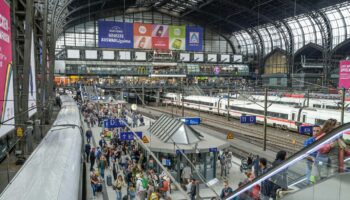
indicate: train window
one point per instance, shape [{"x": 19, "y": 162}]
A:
[
  {"x": 317, "y": 106},
  {"x": 293, "y": 116},
  {"x": 319, "y": 121},
  {"x": 304, "y": 118},
  {"x": 332, "y": 107}
]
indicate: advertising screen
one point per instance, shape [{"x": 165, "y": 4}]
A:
[
  {"x": 160, "y": 37},
  {"x": 142, "y": 36},
  {"x": 6, "y": 76},
  {"x": 194, "y": 38},
  {"x": 344, "y": 74},
  {"x": 115, "y": 35},
  {"x": 177, "y": 37}
]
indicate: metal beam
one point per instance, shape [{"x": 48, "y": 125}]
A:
[{"x": 197, "y": 8}]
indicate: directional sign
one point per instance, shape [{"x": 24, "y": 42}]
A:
[
  {"x": 19, "y": 132},
  {"x": 248, "y": 119},
  {"x": 126, "y": 136},
  {"x": 139, "y": 134},
  {"x": 145, "y": 140},
  {"x": 166, "y": 162},
  {"x": 113, "y": 123},
  {"x": 213, "y": 149},
  {"x": 305, "y": 129},
  {"x": 178, "y": 151},
  {"x": 229, "y": 136},
  {"x": 191, "y": 120}
]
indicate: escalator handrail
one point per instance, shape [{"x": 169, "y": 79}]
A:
[{"x": 334, "y": 134}]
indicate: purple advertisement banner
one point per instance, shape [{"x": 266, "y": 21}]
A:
[
  {"x": 194, "y": 38},
  {"x": 115, "y": 35}
]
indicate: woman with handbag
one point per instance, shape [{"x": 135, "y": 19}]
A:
[{"x": 118, "y": 186}]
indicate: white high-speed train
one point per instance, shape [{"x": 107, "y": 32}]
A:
[
  {"x": 280, "y": 116},
  {"x": 55, "y": 170}
]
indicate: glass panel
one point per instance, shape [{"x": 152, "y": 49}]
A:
[{"x": 325, "y": 156}]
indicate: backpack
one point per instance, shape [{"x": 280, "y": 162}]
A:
[
  {"x": 165, "y": 186},
  {"x": 144, "y": 183}
]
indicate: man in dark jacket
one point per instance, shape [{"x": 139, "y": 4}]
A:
[
  {"x": 88, "y": 135},
  {"x": 279, "y": 180},
  {"x": 226, "y": 191},
  {"x": 266, "y": 185},
  {"x": 193, "y": 192},
  {"x": 87, "y": 151},
  {"x": 92, "y": 158}
]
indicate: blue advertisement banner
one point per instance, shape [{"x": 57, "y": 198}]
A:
[
  {"x": 115, "y": 35},
  {"x": 194, "y": 38}
]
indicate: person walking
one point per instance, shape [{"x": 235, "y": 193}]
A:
[
  {"x": 87, "y": 151},
  {"x": 316, "y": 130},
  {"x": 266, "y": 185},
  {"x": 92, "y": 159},
  {"x": 119, "y": 184},
  {"x": 193, "y": 192},
  {"x": 88, "y": 135},
  {"x": 102, "y": 166},
  {"x": 226, "y": 191}
]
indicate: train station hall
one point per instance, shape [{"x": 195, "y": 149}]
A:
[{"x": 174, "y": 100}]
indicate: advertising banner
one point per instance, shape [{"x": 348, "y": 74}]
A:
[
  {"x": 177, "y": 37},
  {"x": 344, "y": 74},
  {"x": 142, "y": 36},
  {"x": 115, "y": 35},
  {"x": 32, "y": 82},
  {"x": 160, "y": 37},
  {"x": 6, "y": 77},
  {"x": 194, "y": 38}
]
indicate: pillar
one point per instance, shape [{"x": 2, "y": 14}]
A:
[
  {"x": 29, "y": 139},
  {"x": 37, "y": 131},
  {"x": 157, "y": 98}
]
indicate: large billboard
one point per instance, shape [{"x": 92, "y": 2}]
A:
[
  {"x": 149, "y": 36},
  {"x": 6, "y": 75},
  {"x": 115, "y": 35},
  {"x": 32, "y": 82},
  {"x": 194, "y": 38},
  {"x": 344, "y": 74},
  {"x": 160, "y": 37},
  {"x": 177, "y": 37},
  {"x": 142, "y": 36}
]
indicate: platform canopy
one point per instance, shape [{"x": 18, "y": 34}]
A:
[{"x": 170, "y": 130}]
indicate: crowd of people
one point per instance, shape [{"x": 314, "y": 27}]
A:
[{"x": 131, "y": 170}]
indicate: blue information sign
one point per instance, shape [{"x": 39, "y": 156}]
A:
[
  {"x": 305, "y": 129},
  {"x": 194, "y": 38},
  {"x": 166, "y": 162},
  {"x": 139, "y": 134},
  {"x": 115, "y": 34},
  {"x": 213, "y": 149},
  {"x": 178, "y": 152},
  {"x": 191, "y": 120},
  {"x": 126, "y": 136},
  {"x": 248, "y": 119},
  {"x": 113, "y": 123}
]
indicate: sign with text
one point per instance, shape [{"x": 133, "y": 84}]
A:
[
  {"x": 213, "y": 149},
  {"x": 194, "y": 38},
  {"x": 344, "y": 74},
  {"x": 178, "y": 151},
  {"x": 160, "y": 37},
  {"x": 115, "y": 35},
  {"x": 126, "y": 136},
  {"x": 248, "y": 119},
  {"x": 305, "y": 129},
  {"x": 114, "y": 123},
  {"x": 191, "y": 120},
  {"x": 6, "y": 73}
]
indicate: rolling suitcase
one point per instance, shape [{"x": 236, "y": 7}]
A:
[{"x": 109, "y": 180}]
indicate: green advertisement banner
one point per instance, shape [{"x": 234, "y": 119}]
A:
[{"x": 177, "y": 37}]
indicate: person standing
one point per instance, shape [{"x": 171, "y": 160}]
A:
[
  {"x": 186, "y": 173},
  {"x": 87, "y": 151},
  {"x": 280, "y": 179},
  {"x": 119, "y": 184},
  {"x": 140, "y": 190},
  {"x": 316, "y": 130},
  {"x": 226, "y": 191},
  {"x": 88, "y": 135},
  {"x": 193, "y": 192},
  {"x": 92, "y": 159},
  {"x": 266, "y": 185}
]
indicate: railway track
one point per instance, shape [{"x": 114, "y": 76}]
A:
[{"x": 276, "y": 139}]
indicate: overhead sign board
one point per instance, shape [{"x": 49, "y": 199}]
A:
[
  {"x": 305, "y": 129},
  {"x": 126, "y": 136},
  {"x": 191, "y": 120},
  {"x": 213, "y": 149},
  {"x": 178, "y": 151},
  {"x": 248, "y": 119},
  {"x": 114, "y": 123}
]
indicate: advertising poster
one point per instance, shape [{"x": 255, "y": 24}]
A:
[
  {"x": 6, "y": 76},
  {"x": 115, "y": 35},
  {"x": 177, "y": 37},
  {"x": 32, "y": 82},
  {"x": 194, "y": 38},
  {"x": 160, "y": 37},
  {"x": 344, "y": 74},
  {"x": 142, "y": 36}
]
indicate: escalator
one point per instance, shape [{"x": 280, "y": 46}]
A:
[{"x": 328, "y": 177}]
